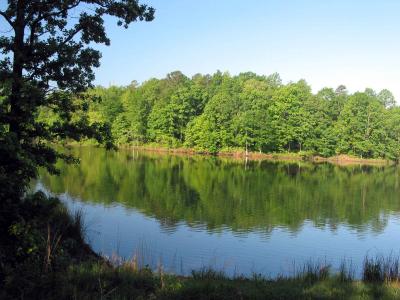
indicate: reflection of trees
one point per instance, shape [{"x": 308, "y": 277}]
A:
[{"x": 221, "y": 193}]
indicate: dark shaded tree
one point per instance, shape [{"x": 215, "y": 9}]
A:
[
  {"x": 47, "y": 58},
  {"x": 46, "y": 64}
]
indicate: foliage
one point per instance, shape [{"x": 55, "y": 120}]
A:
[
  {"x": 43, "y": 241},
  {"x": 46, "y": 65},
  {"x": 211, "y": 113},
  {"x": 47, "y": 62},
  {"x": 361, "y": 127}
]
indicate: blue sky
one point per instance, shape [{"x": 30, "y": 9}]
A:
[{"x": 326, "y": 42}]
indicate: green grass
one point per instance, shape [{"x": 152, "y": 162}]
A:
[{"x": 102, "y": 281}]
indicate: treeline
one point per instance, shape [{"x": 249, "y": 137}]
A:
[{"x": 216, "y": 112}]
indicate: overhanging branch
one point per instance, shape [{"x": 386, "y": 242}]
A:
[{"x": 4, "y": 15}]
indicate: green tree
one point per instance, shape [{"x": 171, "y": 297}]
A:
[
  {"x": 168, "y": 122},
  {"x": 256, "y": 113},
  {"x": 323, "y": 110},
  {"x": 47, "y": 58},
  {"x": 120, "y": 129},
  {"x": 109, "y": 102},
  {"x": 250, "y": 124},
  {"x": 290, "y": 125},
  {"x": 361, "y": 126},
  {"x": 216, "y": 121},
  {"x": 392, "y": 128},
  {"x": 46, "y": 65},
  {"x": 386, "y": 98},
  {"x": 136, "y": 111}
]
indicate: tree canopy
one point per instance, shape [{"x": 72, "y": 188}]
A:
[
  {"x": 47, "y": 56},
  {"x": 47, "y": 62},
  {"x": 218, "y": 112}
]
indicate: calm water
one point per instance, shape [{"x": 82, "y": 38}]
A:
[{"x": 265, "y": 217}]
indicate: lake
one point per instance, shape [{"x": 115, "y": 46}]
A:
[{"x": 188, "y": 212}]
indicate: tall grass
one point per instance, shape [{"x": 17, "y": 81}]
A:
[
  {"x": 78, "y": 224},
  {"x": 207, "y": 273},
  {"x": 313, "y": 271},
  {"x": 375, "y": 269},
  {"x": 381, "y": 269},
  {"x": 346, "y": 271}
]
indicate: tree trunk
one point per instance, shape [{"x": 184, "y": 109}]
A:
[{"x": 16, "y": 110}]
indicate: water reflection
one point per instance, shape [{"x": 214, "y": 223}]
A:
[{"x": 219, "y": 194}]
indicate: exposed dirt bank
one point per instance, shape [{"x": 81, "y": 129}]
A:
[{"x": 339, "y": 160}]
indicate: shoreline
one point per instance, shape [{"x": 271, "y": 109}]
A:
[{"x": 341, "y": 160}]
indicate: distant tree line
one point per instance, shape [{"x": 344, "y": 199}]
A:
[{"x": 216, "y": 112}]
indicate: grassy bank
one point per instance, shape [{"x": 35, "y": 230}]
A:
[
  {"x": 41, "y": 241},
  {"x": 100, "y": 280},
  {"x": 48, "y": 258}
]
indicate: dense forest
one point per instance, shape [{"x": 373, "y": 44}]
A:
[{"x": 213, "y": 113}]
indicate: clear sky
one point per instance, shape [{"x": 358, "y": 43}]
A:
[{"x": 326, "y": 42}]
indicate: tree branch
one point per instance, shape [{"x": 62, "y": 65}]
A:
[
  {"x": 62, "y": 43},
  {"x": 68, "y": 38},
  {"x": 54, "y": 14},
  {"x": 2, "y": 13}
]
